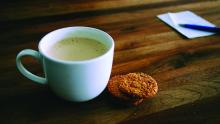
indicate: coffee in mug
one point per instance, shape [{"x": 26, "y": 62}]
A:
[
  {"x": 77, "y": 62},
  {"x": 77, "y": 49}
]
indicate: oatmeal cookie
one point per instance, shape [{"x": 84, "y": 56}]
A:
[
  {"x": 138, "y": 85},
  {"x": 113, "y": 88}
]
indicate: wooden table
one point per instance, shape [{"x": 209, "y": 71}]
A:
[{"x": 187, "y": 71}]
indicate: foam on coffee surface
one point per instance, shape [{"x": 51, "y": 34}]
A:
[{"x": 77, "y": 49}]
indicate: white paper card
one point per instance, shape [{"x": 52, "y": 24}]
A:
[{"x": 186, "y": 17}]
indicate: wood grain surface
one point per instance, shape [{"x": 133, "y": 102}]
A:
[{"x": 187, "y": 70}]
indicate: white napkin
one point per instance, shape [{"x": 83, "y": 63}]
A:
[{"x": 186, "y": 17}]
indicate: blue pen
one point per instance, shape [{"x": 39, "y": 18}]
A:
[{"x": 202, "y": 28}]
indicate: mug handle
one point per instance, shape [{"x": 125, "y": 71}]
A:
[{"x": 24, "y": 71}]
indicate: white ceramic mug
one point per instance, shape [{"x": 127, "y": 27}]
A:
[{"x": 72, "y": 80}]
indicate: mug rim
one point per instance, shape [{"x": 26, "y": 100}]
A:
[{"x": 78, "y": 61}]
